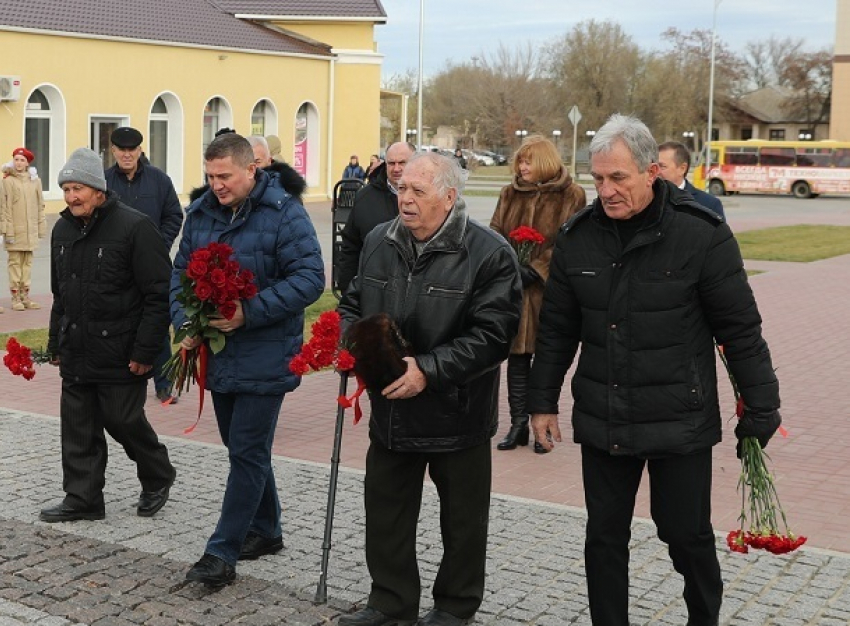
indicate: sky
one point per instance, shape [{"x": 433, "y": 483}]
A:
[{"x": 457, "y": 30}]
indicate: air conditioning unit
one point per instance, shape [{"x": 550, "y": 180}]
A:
[{"x": 10, "y": 88}]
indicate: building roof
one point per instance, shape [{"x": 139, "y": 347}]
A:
[
  {"x": 316, "y": 9},
  {"x": 768, "y": 104},
  {"x": 189, "y": 22}
]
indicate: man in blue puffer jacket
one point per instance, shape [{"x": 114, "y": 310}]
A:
[{"x": 273, "y": 237}]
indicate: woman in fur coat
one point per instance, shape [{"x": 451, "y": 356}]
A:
[
  {"x": 22, "y": 224},
  {"x": 542, "y": 196}
]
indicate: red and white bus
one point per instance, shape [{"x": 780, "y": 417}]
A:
[{"x": 805, "y": 169}]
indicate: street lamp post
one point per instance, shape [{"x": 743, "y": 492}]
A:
[
  {"x": 556, "y": 138},
  {"x": 688, "y": 136},
  {"x": 419, "y": 79},
  {"x": 411, "y": 135},
  {"x": 804, "y": 136},
  {"x": 520, "y": 134},
  {"x": 711, "y": 93}
]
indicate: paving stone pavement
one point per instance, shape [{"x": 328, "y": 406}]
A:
[{"x": 127, "y": 570}]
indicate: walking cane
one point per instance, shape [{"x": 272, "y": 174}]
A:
[{"x": 322, "y": 588}]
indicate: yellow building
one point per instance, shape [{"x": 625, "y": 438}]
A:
[
  {"x": 179, "y": 70},
  {"x": 840, "y": 113}
]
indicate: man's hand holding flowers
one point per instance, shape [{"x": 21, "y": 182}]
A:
[{"x": 759, "y": 424}]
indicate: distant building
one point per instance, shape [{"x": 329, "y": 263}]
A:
[
  {"x": 840, "y": 120},
  {"x": 305, "y": 70},
  {"x": 768, "y": 113}
]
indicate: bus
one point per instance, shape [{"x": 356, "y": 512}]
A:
[{"x": 805, "y": 169}]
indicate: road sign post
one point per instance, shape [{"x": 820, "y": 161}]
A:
[{"x": 575, "y": 117}]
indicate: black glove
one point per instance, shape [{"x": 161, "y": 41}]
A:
[
  {"x": 759, "y": 424},
  {"x": 528, "y": 275}
]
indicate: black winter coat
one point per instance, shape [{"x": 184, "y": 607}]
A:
[
  {"x": 110, "y": 293},
  {"x": 458, "y": 305},
  {"x": 375, "y": 204},
  {"x": 646, "y": 318},
  {"x": 151, "y": 192}
]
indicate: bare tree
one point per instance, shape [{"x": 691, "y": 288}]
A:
[
  {"x": 765, "y": 61},
  {"x": 809, "y": 74},
  {"x": 594, "y": 67}
]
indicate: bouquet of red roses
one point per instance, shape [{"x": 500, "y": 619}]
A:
[
  {"x": 21, "y": 360},
  {"x": 210, "y": 286},
  {"x": 760, "y": 507},
  {"x": 524, "y": 238}
]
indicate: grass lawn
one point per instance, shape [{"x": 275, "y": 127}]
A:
[
  {"x": 493, "y": 171},
  {"x": 802, "y": 243}
]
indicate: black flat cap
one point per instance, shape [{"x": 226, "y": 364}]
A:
[{"x": 126, "y": 137}]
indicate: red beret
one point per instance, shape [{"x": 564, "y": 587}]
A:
[{"x": 29, "y": 156}]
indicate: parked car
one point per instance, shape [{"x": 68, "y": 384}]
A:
[
  {"x": 479, "y": 158},
  {"x": 498, "y": 159}
]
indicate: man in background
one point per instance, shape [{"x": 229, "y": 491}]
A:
[
  {"x": 149, "y": 190},
  {"x": 375, "y": 204},
  {"x": 674, "y": 161}
]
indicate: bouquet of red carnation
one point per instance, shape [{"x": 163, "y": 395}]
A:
[
  {"x": 211, "y": 284},
  {"x": 524, "y": 238},
  {"x": 21, "y": 360},
  {"x": 760, "y": 507},
  {"x": 324, "y": 350}
]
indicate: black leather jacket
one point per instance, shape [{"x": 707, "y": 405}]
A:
[{"x": 458, "y": 305}]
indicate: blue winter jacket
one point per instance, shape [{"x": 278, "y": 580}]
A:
[{"x": 274, "y": 238}]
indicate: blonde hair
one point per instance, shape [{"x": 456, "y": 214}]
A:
[{"x": 541, "y": 154}]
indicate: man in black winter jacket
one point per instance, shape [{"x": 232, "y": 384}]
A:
[
  {"x": 149, "y": 190},
  {"x": 452, "y": 286},
  {"x": 375, "y": 204},
  {"x": 646, "y": 279},
  {"x": 109, "y": 275}
]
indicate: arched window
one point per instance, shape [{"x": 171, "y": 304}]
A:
[
  {"x": 44, "y": 135},
  {"x": 264, "y": 119},
  {"x": 306, "y": 149},
  {"x": 217, "y": 115},
  {"x": 165, "y": 137},
  {"x": 158, "y": 135}
]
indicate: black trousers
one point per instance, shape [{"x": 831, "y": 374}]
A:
[
  {"x": 86, "y": 410},
  {"x": 680, "y": 502},
  {"x": 393, "y": 496}
]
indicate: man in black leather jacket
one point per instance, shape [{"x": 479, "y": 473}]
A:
[
  {"x": 646, "y": 279},
  {"x": 453, "y": 288}
]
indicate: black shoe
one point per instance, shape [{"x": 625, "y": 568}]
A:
[
  {"x": 165, "y": 397},
  {"x": 438, "y": 617},
  {"x": 372, "y": 617},
  {"x": 256, "y": 546},
  {"x": 517, "y": 436},
  {"x": 152, "y": 501},
  {"x": 539, "y": 449},
  {"x": 66, "y": 513},
  {"x": 211, "y": 571}
]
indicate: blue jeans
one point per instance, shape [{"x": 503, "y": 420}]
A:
[{"x": 247, "y": 425}]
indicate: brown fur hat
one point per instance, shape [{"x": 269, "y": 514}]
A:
[{"x": 378, "y": 348}]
